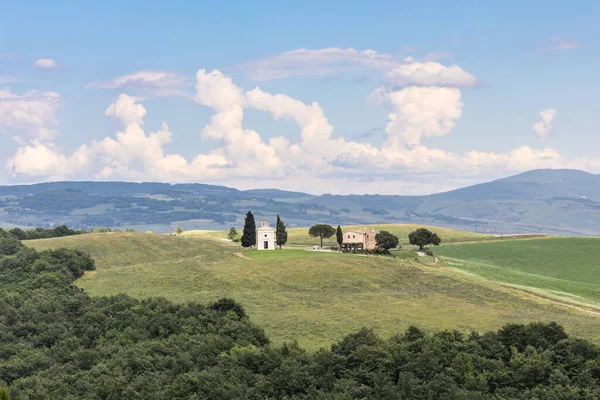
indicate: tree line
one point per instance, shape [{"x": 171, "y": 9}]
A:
[
  {"x": 56, "y": 342},
  {"x": 40, "y": 233}
]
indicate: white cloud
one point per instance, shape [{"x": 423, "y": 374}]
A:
[
  {"x": 215, "y": 90},
  {"x": 520, "y": 159},
  {"x": 315, "y": 129},
  {"x": 33, "y": 112},
  {"x": 557, "y": 43},
  {"x": 43, "y": 159},
  {"x": 45, "y": 63},
  {"x": 543, "y": 125},
  {"x": 163, "y": 82},
  {"x": 423, "y": 112},
  {"x": 317, "y": 162},
  {"x": 429, "y": 74},
  {"x": 424, "y": 98},
  {"x": 400, "y": 72},
  {"x": 127, "y": 111},
  {"x": 303, "y": 62}
]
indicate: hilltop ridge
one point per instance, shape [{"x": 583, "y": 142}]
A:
[{"x": 553, "y": 201}]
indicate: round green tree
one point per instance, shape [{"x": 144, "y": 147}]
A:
[
  {"x": 321, "y": 231},
  {"x": 386, "y": 241},
  {"x": 423, "y": 237}
]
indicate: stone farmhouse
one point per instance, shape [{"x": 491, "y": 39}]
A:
[
  {"x": 265, "y": 237},
  {"x": 361, "y": 239}
]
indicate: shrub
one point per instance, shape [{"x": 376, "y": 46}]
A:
[
  {"x": 225, "y": 305},
  {"x": 4, "y": 393}
]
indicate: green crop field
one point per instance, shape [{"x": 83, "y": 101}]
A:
[
  {"x": 561, "y": 267},
  {"x": 300, "y": 236},
  {"x": 314, "y": 297}
]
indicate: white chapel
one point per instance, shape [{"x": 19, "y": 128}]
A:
[{"x": 265, "y": 237}]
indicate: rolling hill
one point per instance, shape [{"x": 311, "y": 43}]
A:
[
  {"x": 563, "y": 202},
  {"x": 537, "y": 184},
  {"x": 314, "y": 297},
  {"x": 551, "y": 201},
  {"x": 561, "y": 267}
]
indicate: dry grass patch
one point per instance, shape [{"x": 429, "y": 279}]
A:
[{"x": 315, "y": 297}]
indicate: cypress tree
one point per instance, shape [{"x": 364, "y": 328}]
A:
[
  {"x": 249, "y": 234},
  {"x": 339, "y": 235},
  {"x": 280, "y": 233}
]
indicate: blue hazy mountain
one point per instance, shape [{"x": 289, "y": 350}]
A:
[{"x": 552, "y": 201}]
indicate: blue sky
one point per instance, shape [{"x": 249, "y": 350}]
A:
[{"x": 410, "y": 98}]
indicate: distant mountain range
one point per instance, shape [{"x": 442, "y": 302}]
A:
[{"x": 550, "y": 201}]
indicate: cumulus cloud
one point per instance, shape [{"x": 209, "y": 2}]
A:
[
  {"x": 33, "y": 112},
  {"x": 557, "y": 43},
  {"x": 424, "y": 98},
  {"x": 318, "y": 161},
  {"x": 127, "y": 111},
  {"x": 130, "y": 154},
  {"x": 45, "y": 63},
  {"x": 43, "y": 159},
  {"x": 215, "y": 90},
  {"x": 423, "y": 112},
  {"x": 315, "y": 128},
  {"x": 303, "y": 62},
  {"x": 161, "y": 81},
  {"x": 429, "y": 74},
  {"x": 543, "y": 125}
]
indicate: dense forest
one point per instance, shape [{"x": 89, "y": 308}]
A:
[{"x": 56, "y": 342}]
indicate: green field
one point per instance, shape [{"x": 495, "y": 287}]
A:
[
  {"x": 565, "y": 267},
  {"x": 300, "y": 236},
  {"x": 315, "y": 297}
]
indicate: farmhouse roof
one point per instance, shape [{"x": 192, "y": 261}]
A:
[{"x": 361, "y": 231}]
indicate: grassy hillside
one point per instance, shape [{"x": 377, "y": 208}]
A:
[
  {"x": 313, "y": 297},
  {"x": 300, "y": 236},
  {"x": 563, "y": 267}
]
